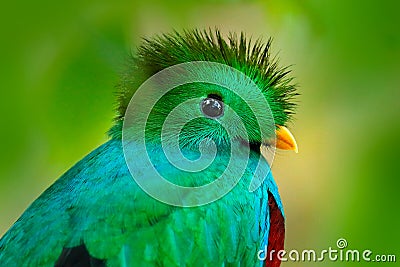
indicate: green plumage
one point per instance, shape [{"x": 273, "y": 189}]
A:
[
  {"x": 97, "y": 203},
  {"x": 251, "y": 58}
]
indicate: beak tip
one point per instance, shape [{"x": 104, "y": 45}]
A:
[{"x": 285, "y": 140}]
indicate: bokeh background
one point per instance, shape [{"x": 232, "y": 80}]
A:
[{"x": 60, "y": 62}]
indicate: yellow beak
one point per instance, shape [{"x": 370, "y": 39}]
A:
[{"x": 285, "y": 140}]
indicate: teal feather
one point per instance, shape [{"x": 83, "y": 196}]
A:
[{"x": 98, "y": 203}]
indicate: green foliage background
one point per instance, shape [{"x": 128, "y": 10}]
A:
[{"x": 60, "y": 62}]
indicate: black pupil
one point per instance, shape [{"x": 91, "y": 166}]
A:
[{"x": 212, "y": 107}]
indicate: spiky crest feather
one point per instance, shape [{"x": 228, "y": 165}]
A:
[{"x": 239, "y": 52}]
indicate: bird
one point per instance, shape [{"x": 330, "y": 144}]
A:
[{"x": 111, "y": 208}]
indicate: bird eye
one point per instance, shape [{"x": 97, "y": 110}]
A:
[{"x": 212, "y": 108}]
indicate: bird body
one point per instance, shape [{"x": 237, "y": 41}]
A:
[
  {"x": 98, "y": 204},
  {"x": 97, "y": 215}
]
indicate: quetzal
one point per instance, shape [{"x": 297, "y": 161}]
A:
[{"x": 98, "y": 213}]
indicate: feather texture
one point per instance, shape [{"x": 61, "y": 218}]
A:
[{"x": 97, "y": 204}]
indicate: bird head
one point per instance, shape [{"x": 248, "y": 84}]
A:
[{"x": 223, "y": 89}]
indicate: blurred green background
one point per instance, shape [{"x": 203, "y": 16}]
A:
[{"x": 60, "y": 62}]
